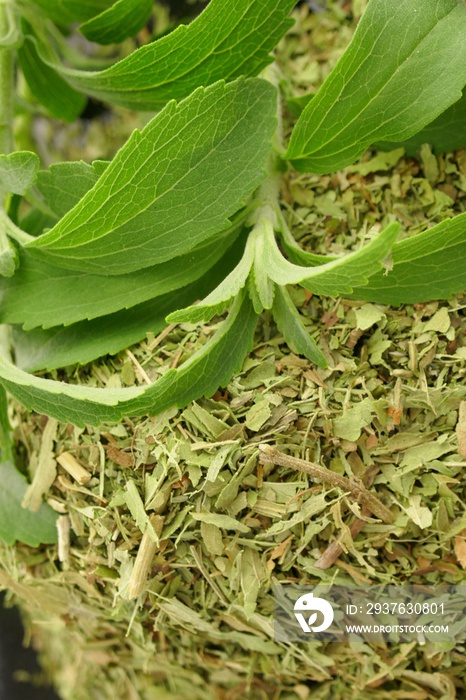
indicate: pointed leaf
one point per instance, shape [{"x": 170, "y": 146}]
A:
[
  {"x": 226, "y": 41},
  {"x": 43, "y": 295},
  {"x": 404, "y": 66},
  {"x": 336, "y": 277},
  {"x": 221, "y": 296},
  {"x": 210, "y": 367},
  {"x": 69, "y": 11},
  {"x": 18, "y": 171},
  {"x": 446, "y": 133},
  {"x": 121, "y": 21},
  {"x": 85, "y": 341},
  {"x": 48, "y": 87},
  {"x": 427, "y": 266},
  {"x": 192, "y": 166},
  {"x": 291, "y": 327}
]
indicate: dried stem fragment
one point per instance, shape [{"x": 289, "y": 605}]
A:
[
  {"x": 270, "y": 455},
  {"x": 74, "y": 468},
  {"x": 144, "y": 557}
]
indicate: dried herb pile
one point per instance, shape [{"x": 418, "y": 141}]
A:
[{"x": 390, "y": 410}]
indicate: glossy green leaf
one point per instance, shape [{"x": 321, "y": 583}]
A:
[
  {"x": 405, "y": 65},
  {"x": 334, "y": 278},
  {"x": 291, "y": 327},
  {"x": 18, "y": 171},
  {"x": 445, "y": 134},
  {"x": 64, "y": 184},
  {"x": 121, "y": 21},
  {"x": 85, "y": 341},
  {"x": 192, "y": 167},
  {"x": 226, "y": 41},
  {"x": 48, "y": 87},
  {"x": 69, "y": 11},
  {"x": 222, "y": 295},
  {"x": 210, "y": 367},
  {"x": 430, "y": 265},
  {"x": 44, "y": 295}
]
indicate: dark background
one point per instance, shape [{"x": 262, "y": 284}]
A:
[{"x": 13, "y": 657}]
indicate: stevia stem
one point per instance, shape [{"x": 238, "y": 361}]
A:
[
  {"x": 6, "y": 85},
  {"x": 270, "y": 455}
]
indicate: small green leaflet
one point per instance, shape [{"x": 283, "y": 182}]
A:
[
  {"x": 226, "y": 41},
  {"x": 17, "y": 523},
  {"x": 121, "y": 21},
  {"x": 404, "y": 66},
  {"x": 48, "y": 87},
  {"x": 222, "y": 295},
  {"x": 69, "y": 11},
  {"x": 445, "y": 134},
  {"x": 192, "y": 167},
  {"x": 18, "y": 171},
  {"x": 429, "y": 265},
  {"x": 334, "y": 278},
  {"x": 206, "y": 370},
  {"x": 85, "y": 341},
  {"x": 44, "y": 295},
  {"x": 291, "y": 327}
]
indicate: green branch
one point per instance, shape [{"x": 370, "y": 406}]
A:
[{"x": 6, "y": 85}]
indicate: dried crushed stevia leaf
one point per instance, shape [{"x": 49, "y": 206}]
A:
[
  {"x": 419, "y": 514},
  {"x": 382, "y": 161},
  {"x": 367, "y": 315},
  {"x": 350, "y": 424},
  {"x": 461, "y": 429},
  {"x": 440, "y": 321}
]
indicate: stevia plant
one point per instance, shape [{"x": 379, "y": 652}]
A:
[{"x": 189, "y": 207}]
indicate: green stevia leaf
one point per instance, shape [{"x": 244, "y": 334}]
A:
[
  {"x": 192, "y": 167},
  {"x": 222, "y": 295},
  {"x": 446, "y": 133},
  {"x": 291, "y": 327},
  {"x": 404, "y": 66},
  {"x": 264, "y": 286},
  {"x": 18, "y": 171},
  {"x": 64, "y": 184},
  {"x": 226, "y": 41},
  {"x": 299, "y": 256},
  {"x": 85, "y": 341},
  {"x": 336, "y": 277},
  {"x": 210, "y": 367},
  {"x": 68, "y": 11},
  {"x": 427, "y": 266},
  {"x": 18, "y": 523},
  {"x": 43, "y": 295},
  {"x": 48, "y": 87},
  {"x": 123, "y": 20}
]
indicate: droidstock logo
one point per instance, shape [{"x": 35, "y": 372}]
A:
[{"x": 310, "y": 606}]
